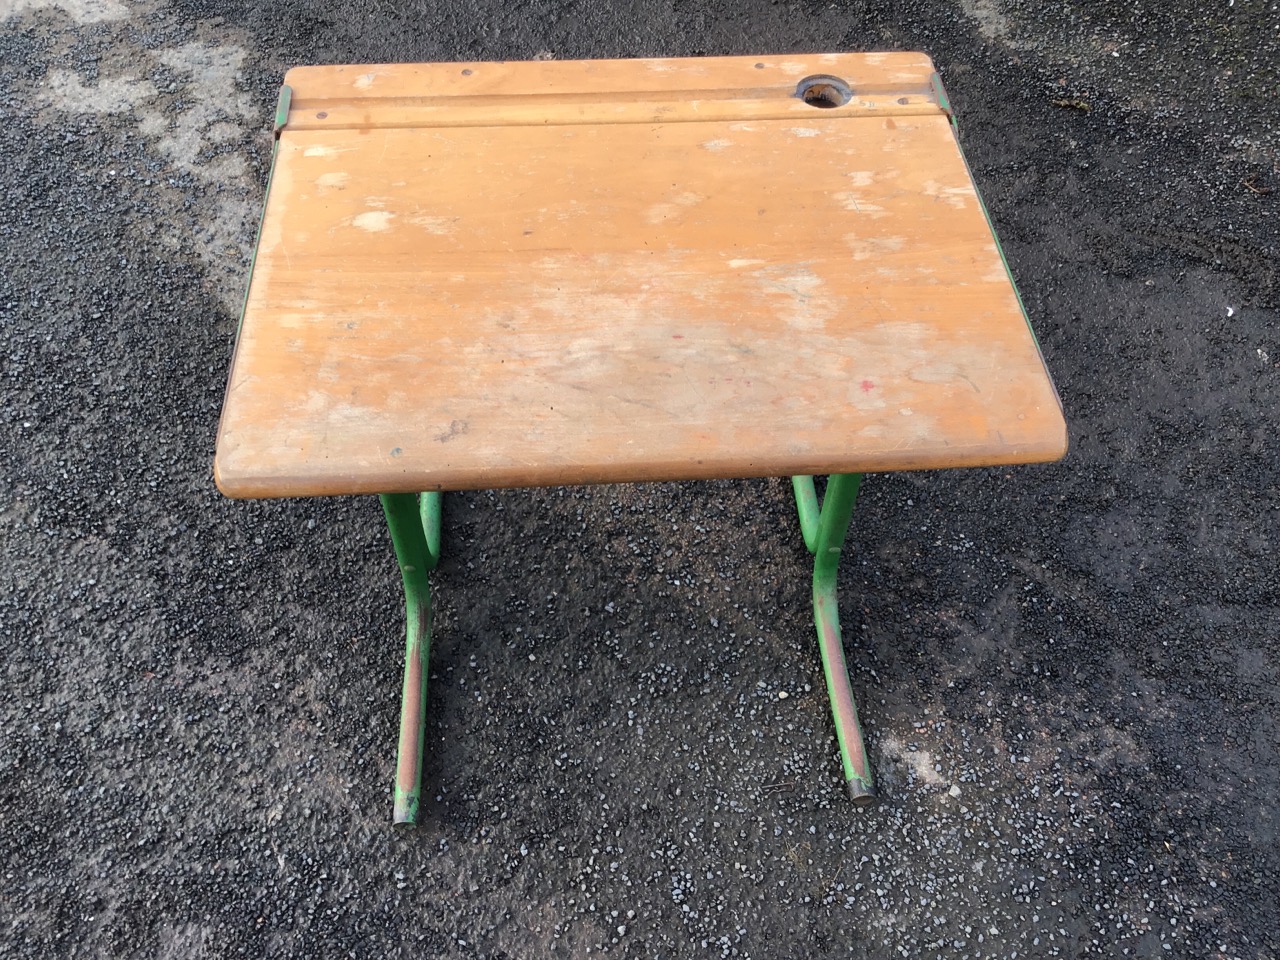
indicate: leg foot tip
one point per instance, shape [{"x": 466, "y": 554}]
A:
[
  {"x": 406, "y": 813},
  {"x": 861, "y": 792}
]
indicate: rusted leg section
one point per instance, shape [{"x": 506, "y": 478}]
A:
[
  {"x": 415, "y": 532},
  {"x": 828, "y": 540}
]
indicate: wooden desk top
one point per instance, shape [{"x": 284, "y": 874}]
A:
[{"x": 518, "y": 274}]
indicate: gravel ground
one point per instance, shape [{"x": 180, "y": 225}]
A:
[{"x": 1068, "y": 674}]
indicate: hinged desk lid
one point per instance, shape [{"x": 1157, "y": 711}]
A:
[{"x": 482, "y": 275}]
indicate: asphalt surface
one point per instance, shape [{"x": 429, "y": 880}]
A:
[{"x": 1068, "y": 673}]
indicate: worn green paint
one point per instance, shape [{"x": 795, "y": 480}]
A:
[
  {"x": 415, "y": 532},
  {"x": 829, "y": 531}
]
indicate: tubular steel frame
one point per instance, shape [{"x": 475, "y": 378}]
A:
[
  {"x": 824, "y": 531},
  {"x": 415, "y": 531},
  {"x": 414, "y": 520}
]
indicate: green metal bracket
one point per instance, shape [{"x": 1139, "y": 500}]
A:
[
  {"x": 282, "y": 109},
  {"x": 414, "y": 521},
  {"x": 824, "y": 532},
  {"x": 940, "y": 96}
]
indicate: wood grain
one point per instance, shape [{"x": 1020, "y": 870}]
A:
[{"x": 515, "y": 300}]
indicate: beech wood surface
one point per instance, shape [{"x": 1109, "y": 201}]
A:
[{"x": 519, "y": 274}]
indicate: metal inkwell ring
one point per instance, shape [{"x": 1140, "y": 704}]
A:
[{"x": 823, "y": 90}]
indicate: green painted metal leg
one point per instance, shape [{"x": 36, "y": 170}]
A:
[
  {"x": 415, "y": 531},
  {"x": 807, "y": 506},
  {"x": 824, "y": 532}
]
